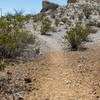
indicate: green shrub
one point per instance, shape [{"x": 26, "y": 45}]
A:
[
  {"x": 45, "y": 28},
  {"x": 53, "y": 29},
  {"x": 69, "y": 22},
  {"x": 91, "y": 23},
  {"x": 46, "y": 20},
  {"x": 12, "y": 38},
  {"x": 12, "y": 44},
  {"x": 57, "y": 21},
  {"x": 76, "y": 36},
  {"x": 2, "y": 65},
  {"x": 98, "y": 24},
  {"x": 93, "y": 30},
  {"x": 90, "y": 27},
  {"x": 39, "y": 17},
  {"x": 87, "y": 12},
  {"x": 80, "y": 17},
  {"x": 28, "y": 16},
  {"x": 64, "y": 20}
]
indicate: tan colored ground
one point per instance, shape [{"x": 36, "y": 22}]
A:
[{"x": 60, "y": 76}]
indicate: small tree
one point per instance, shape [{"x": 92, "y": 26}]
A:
[{"x": 76, "y": 36}]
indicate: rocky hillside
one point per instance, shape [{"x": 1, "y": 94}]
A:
[
  {"x": 58, "y": 73},
  {"x": 61, "y": 20}
]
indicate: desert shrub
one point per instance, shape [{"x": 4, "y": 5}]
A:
[
  {"x": 46, "y": 20},
  {"x": 2, "y": 65},
  {"x": 98, "y": 24},
  {"x": 19, "y": 20},
  {"x": 62, "y": 10},
  {"x": 87, "y": 12},
  {"x": 76, "y": 36},
  {"x": 35, "y": 27},
  {"x": 69, "y": 22},
  {"x": 80, "y": 17},
  {"x": 90, "y": 27},
  {"x": 92, "y": 23},
  {"x": 39, "y": 17},
  {"x": 28, "y": 16},
  {"x": 12, "y": 38},
  {"x": 98, "y": 11},
  {"x": 57, "y": 21},
  {"x": 53, "y": 29},
  {"x": 45, "y": 28},
  {"x": 12, "y": 44},
  {"x": 8, "y": 16},
  {"x": 64, "y": 20},
  {"x": 93, "y": 30},
  {"x": 72, "y": 17},
  {"x": 14, "y": 20}
]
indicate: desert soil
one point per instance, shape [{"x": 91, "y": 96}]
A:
[{"x": 58, "y": 75}]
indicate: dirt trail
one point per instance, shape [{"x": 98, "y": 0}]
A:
[
  {"x": 56, "y": 57},
  {"x": 54, "y": 86},
  {"x": 63, "y": 79},
  {"x": 59, "y": 76}
]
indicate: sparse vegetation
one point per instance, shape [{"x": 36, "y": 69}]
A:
[
  {"x": 46, "y": 20},
  {"x": 98, "y": 24},
  {"x": 39, "y": 17},
  {"x": 57, "y": 21},
  {"x": 90, "y": 27},
  {"x": 12, "y": 36},
  {"x": 11, "y": 44},
  {"x": 76, "y": 36},
  {"x": 45, "y": 28},
  {"x": 2, "y": 65},
  {"x": 80, "y": 16},
  {"x": 27, "y": 17},
  {"x": 87, "y": 11},
  {"x": 64, "y": 20}
]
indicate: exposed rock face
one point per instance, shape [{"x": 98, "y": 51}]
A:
[
  {"x": 72, "y": 1},
  {"x": 46, "y": 5},
  {"x": 82, "y": 1}
]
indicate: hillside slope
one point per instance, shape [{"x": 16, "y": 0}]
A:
[{"x": 59, "y": 74}]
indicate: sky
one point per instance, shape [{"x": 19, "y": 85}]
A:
[{"x": 29, "y": 6}]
